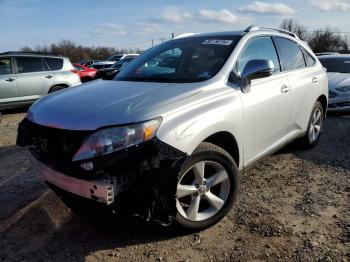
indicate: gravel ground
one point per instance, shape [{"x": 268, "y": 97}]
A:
[{"x": 293, "y": 206}]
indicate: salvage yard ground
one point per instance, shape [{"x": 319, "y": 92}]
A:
[{"x": 293, "y": 206}]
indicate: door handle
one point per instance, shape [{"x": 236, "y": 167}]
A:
[
  {"x": 48, "y": 76},
  {"x": 285, "y": 89},
  {"x": 10, "y": 79},
  {"x": 315, "y": 80}
]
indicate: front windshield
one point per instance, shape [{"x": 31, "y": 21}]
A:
[
  {"x": 182, "y": 60},
  {"x": 339, "y": 65},
  {"x": 114, "y": 58}
]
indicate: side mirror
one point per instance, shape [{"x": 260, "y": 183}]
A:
[{"x": 255, "y": 69}]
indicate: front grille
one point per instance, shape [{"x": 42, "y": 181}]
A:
[
  {"x": 55, "y": 147},
  {"x": 343, "y": 104}
]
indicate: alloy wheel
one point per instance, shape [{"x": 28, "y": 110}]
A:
[
  {"x": 315, "y": 125},
  {"x": 202, "y": 191}
]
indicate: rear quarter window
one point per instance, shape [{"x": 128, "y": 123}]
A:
[
  {"x": 310, "y": 61},
  {"x": 54, "y": 63}
]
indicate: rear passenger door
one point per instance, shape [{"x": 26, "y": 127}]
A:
[
  {"x": 267, "y": 105},
  {"x": 304, "y": 79},
  {"x": 8, "y": 83},
  {"x": 34, "y": 78}
]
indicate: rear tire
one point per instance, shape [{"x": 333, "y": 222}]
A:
[
  {"x": 210, "y": 196},
  {"x": 314, "y": 129},
  {"x": 56, "y": 88},
  {"x": 86, "y": 79}
]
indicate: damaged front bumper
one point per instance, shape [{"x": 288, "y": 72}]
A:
[
  {"x": 98, "y": 190},
  {"x": 138, "y": 181}
]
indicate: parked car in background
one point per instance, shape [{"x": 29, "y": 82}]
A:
[
  {"x": 170, "y": 145},
  {"x": 26, "y": 77},
  {"x": 110, "y": 72},
  {"x": 89, "y": 63},
  {"x": 82, "y": 62},
  {"x": 338, "y": 72},
  {"x": 111, "y": 60},
  {"x": 85, "y": 73},
  {"x": 326, "y": 53}
]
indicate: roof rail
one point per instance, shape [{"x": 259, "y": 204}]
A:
[
  {"x": 184, "y": 35},
  {"x": 28, "y": 53},
  {"x": 256, "y": 28}
]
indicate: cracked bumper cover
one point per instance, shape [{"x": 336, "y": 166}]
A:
[
  {"x": 99, "y": 190},
  {"x": 150, "y": 168}
]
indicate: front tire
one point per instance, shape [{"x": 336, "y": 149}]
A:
[
  {"x": 208, "y": 185},
  {"x": 314, "y": 129}
]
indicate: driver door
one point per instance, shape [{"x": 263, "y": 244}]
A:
[{"x": 267, "y": 106}]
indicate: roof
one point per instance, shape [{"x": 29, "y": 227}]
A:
[
  {"x": 252, "y": 28},
  {"x": 29, "y": 53},
  {"x": 209, "y": 34}
]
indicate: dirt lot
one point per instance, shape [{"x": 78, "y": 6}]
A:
[{"x": 294, "y": 206}]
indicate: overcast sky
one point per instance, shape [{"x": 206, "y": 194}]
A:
[{"x": 134, "y": 23}]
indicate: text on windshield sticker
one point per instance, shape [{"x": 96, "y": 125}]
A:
[{"x": 217, "y": 42}]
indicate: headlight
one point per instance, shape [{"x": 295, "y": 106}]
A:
[
  {"x": 109, "y": 140},
  {"x": 343, "y": 89}
]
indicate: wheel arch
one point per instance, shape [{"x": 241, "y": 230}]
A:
[
  {"x": 226, "y": 141},
  {"x": 63, "y": 85},
  {"x": 224, "y": 134},
  {"x": 323, "y": 100}
]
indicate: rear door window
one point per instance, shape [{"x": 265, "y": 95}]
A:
[
  {"x": 5, "y": 66},
  {"x": 292, "y": 57},
  {"x": 26, "y": 64},
  {"x": 54, "y": 63}
]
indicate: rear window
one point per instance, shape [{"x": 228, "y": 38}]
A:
[
  {"x": 78, "y": 68},
  {"x": 54, "y": 63},
  {"x": 30, "y": 64},
  {"x": 339, "y": 65}
]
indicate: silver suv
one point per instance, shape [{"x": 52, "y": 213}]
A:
[
  {"x": 26, "y": 77},
  {"x": 168, "y": 137}
]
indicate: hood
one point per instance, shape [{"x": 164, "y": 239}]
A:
[
  {"x": 338, "y": 80},
  {"x": 105, "y": 103}
]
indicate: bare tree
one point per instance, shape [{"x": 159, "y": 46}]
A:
[
  {"x": 26, "y": 49},
  {"x": 79, "y": 52},
  {"x": 295, "y": 27},
  {"x": 327, "y": 40}
]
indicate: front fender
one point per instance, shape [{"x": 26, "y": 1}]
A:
[{"x": 186, "y": 129}]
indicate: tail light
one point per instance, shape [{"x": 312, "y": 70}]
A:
[{"x": 74, "y": 71}]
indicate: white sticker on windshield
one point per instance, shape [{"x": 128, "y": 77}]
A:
[{"x": 217, "y": 42}]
